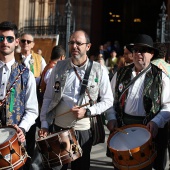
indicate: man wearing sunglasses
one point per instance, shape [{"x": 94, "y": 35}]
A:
[
  {"x": 36, "y": 64},
  {"x": 33, "y": 61},
  {"x": 19, "y": 106},
  {"x": 141, "y": 96}
]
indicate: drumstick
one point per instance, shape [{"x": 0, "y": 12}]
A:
[
  {"x": 70, "y": 109},
  {"x": 120, "y": 130}
]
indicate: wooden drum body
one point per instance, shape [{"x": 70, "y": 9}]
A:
[
  {"x": 132, "y": 151},
  {"x": 59, "y": 148},
  {"x": 12, "y": 153}
]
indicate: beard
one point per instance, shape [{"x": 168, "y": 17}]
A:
[{"x": 7, "y": 51}]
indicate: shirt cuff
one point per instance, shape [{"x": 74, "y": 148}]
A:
[
  {"x": 110, "y": 114},
  {"x": 159, "y": 121},
  {"x": 44, "y": 124}
]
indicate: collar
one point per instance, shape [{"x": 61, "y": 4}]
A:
[
  {"x": 8, "y": 65},
  {"x": 84, "y": 66}
]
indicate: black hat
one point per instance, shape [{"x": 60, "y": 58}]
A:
[{"x": 144, "y": 41}]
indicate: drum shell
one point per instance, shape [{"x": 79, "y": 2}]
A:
[
  {"x": 15, "y": 161},
  {"x": 135, "y": 158},
  {"x": 57, "y": 150}
]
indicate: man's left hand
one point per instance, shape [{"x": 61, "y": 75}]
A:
[
  {"x": 153, "y": 128},
  {"x": 20, "y": 134}
]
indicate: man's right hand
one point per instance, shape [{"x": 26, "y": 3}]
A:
[
  {"x": 111, "y": 125},
  {"x": 43, "y": 132}
]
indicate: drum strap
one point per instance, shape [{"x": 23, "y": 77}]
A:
[
  {"x": 84, "y": 83},
  {"x": 133, "y": 80}
]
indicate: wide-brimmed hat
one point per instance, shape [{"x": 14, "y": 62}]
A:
[{"x": 144, "y": 41}]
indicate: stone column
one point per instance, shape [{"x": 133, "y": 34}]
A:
[
  {"x": 36, "y": 11},
  {"x": 45, "y": 11}
]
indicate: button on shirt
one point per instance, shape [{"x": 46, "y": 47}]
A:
[
  {"x": 31, "y": 105},
  {"x": 134, "y": 102}
]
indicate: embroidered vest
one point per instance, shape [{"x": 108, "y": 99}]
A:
[
  {"x": 37, "y": 62},
  {"x": 14, "y": 115},
  {"x": 152, "y": 90},
  {"x": 62, "y": 72}
]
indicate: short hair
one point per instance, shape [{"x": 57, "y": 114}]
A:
[
  {"x": 85, "y": 34},
  {"x": 162, "y": 50},
  {"x": 25, "y": 33},
  {"x": 7, "y": 25},
  {"x": 57, "y": 52}
]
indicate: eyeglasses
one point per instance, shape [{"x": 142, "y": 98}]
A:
[
  {"x": 77, "y": 43},
  {"x": 142, "y": 50},
  {"x": 28, "y": 41},
  {"x": 10, "y": 39}
]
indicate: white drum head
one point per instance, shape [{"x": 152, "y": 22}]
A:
[
  {"x": 6, "y": 134},
  {"x": 136, "y": 137}
]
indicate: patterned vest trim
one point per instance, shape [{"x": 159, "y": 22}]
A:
[
  {"x": 37, "y": 62},
  {"x": 15, "y": 116},
  {"x": 151, "y": 94},
  {"x": 62, "y": 72}
]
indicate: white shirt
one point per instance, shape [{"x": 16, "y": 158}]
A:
[
  {"x": 31, "y": 104},
  {"x": 26, "y": 61},
  {"x": 72, "y": 90},
  {"x": 134, "y": 102},
  {"x": 47, "y": 75}
]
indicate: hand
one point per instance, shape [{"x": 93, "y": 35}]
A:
[
  {"x": 43, "y": 132},
  {"x": 153, "y": 128},
  {"x": 111, "y": 125},
  {"x": 20, "y": 134},
  {"x": 78, "y": 112}
]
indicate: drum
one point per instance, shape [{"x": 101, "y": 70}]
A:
[
  {"x": 131, "y": 147},
  {"x": 59, "y": 148},
  {"x": 12, "y": 153}
]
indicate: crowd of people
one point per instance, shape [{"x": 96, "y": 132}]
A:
[{"x": 61, "y": 97}]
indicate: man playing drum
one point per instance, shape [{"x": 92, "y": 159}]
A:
[
  {"x": 141, "y": 93},
  {"x": 19, "y": 106},
  {"x": 63, "y": 94}
]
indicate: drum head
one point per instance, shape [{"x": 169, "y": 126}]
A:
[
  {"x": 6, "y": 134},
  {"x": 136, "y": 137}
]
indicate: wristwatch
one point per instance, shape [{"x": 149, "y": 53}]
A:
[{"x": 88, "y": 113}]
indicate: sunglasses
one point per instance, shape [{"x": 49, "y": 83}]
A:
[
  {"x": 10, "y": 39},
  {"x": 142, "y": 50},
  {"x": 77, "y": 43},
  {"x": 28, "y": 41}
]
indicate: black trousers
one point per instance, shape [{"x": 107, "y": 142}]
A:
[
  {"x": 30, "y": 146},
  {"x": 161, "y": 141}
]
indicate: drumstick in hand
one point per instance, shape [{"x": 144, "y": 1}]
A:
[
  {"x": 122, "y": 131},
  {"x": 70, "y": 110}
]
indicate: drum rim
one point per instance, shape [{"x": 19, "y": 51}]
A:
[
  {"x": 133, "y": 150},
  {"x": 13, "y": 138}
]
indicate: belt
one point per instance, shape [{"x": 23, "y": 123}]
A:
[
  {"x": 129, "y": 119},
  {"x": 55, "y": 128}
]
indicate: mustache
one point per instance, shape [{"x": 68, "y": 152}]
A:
[{"x": 4, "y": 46}]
